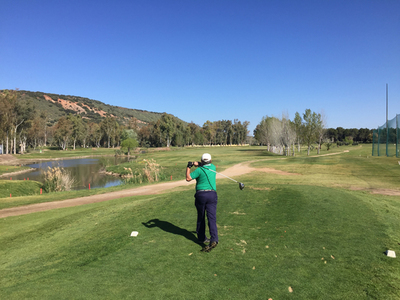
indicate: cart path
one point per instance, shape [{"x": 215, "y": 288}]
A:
[{"x": 239, "y": 169}]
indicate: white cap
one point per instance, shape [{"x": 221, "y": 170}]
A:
[{"x": 206, "y": 158}]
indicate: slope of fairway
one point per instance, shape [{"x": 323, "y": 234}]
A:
[{"x": 276, "y": 241}]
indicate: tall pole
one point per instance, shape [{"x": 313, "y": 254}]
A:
[
  {"x": 397, "y": 135},
  {"x": 387, "y": 118}
]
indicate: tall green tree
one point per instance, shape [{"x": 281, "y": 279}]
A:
[
  {"x": 320, "y": 130},
  {"x": 167, "y": 127},
  {"x": 298, "y": 127},
  {"x": 95, "y": 133},
  {"x": 8, "y": 99},
  {"x": 77, "y": 128},
  {"x": 108, "y": 126},
  {"x": 310, "y": 127},
  {"x": 62, "y": 132}
]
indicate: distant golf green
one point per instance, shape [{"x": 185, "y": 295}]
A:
[{"x": 319, "y": 234}]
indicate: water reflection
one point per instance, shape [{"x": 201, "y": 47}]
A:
[{"x": 85, "y": 171}]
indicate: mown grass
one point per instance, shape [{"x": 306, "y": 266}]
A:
[
  {"x": 309, "y": 232},
  {"x": 323, "y": 243},
  {"x": 21, "y": 188}
]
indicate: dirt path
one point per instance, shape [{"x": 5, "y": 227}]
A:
[{"x": 236, "y": 170}]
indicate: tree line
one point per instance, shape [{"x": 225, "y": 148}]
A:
[
  {"x": 284, "y": 136},
  {"x": 23, "y": 128}
]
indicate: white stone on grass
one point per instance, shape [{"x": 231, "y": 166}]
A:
[{"x": 391, "y": 253}]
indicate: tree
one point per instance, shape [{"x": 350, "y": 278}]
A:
[
  {"x": 240, "y": 131},
  {"x": 7, "y": 102},
  {"x": 96, "y": 134},
  {"x": 320, "y": 130},
  {"x": 85, "y": 134},
  {"x": 264, "y": 133},
  {"x": 332, "y": 134},
  {"x": 22, "y": 114},
  {"x": 62, "y": 132},
  {"x": 288, "y": 133},
  {"x": 108, "y": 126},
  {"x": 14, "y": 114},
  {"x": 129, "y": 143},
  {"x": 209, "y": 131},
  {"x": 77, "y": 128},
  {"x": 167, "y": 127},
  {"x": 340, "y": 133},
  {"x": 36, "y": 131},
  {"x": 298, "y": 127},
  {"x": 310, "y": 126}
]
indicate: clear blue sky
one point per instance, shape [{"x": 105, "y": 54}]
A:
[{"x": 210, "y": 60}]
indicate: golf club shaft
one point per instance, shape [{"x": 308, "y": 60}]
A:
[{"x": 221, "y": 174}]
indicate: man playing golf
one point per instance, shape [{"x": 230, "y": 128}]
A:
[{"x": 205, "y": 199}]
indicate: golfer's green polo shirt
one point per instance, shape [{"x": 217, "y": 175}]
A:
[{"x": 205, "y": 179}]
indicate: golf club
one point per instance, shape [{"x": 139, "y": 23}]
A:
[{"x": 241, "y": 185}]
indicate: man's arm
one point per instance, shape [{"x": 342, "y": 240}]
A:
[
  {"x": 188, "y": 178},
  {"x": 190, "y": 164}
]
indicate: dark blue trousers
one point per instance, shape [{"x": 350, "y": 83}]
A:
[{"x": 206, "y": 202}]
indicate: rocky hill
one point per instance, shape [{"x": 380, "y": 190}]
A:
[{"x": 56, "y": 106}]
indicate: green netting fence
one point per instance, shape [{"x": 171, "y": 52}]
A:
[{"x": 385, "y": 139}]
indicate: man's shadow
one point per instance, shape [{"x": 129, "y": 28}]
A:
[{"x": 171, "y": 228}]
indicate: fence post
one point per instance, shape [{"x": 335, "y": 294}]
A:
[
  {"x": 378, "y": 141},
  {"x": 387, "y": 122}
]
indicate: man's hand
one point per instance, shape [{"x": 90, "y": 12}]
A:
[{"x": 190, "y": 164}]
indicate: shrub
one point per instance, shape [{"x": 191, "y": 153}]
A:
[
  {"x": 57, "y": 179},
  {"x": 151, "y": 172}
]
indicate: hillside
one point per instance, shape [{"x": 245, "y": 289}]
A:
[{"x": 56, "y": 105}]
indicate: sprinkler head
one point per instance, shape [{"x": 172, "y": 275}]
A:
[{"x": 241, "y": 185}]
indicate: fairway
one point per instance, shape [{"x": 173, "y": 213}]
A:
[{"x": 313, "y": 235}]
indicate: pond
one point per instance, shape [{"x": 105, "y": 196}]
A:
[{"x": 84, "y": 171}]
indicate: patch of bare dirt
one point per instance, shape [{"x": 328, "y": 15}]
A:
[
  {"x": 387, "y": 192},
  {"x": 335, "y": 153},
  {"x": 66, "y": 104},
  {"x": 244, "y": 168},
  {"x": 274, "y": 171},
  {"x": 8, "y": 159}
]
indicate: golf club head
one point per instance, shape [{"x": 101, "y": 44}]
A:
[{"x": 241, "y": 185}]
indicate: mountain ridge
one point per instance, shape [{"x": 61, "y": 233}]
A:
[{"x": 58, "y": 105}]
